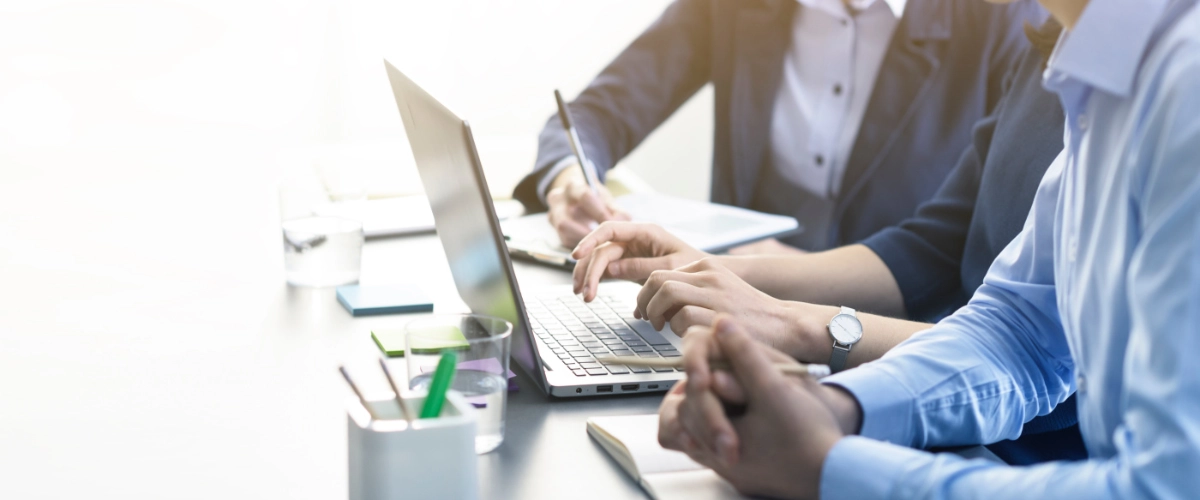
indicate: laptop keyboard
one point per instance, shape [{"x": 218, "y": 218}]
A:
[{"x": 577, "y": 332}]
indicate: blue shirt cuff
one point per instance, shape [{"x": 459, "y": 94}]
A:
[
  {"x": 863, "y": 468},
  {"x": 887, "y": 405}
]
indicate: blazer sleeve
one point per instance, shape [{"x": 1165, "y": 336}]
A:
[
  {"x": 924, "y": 252},
  {"x": 644, "y": 85}
]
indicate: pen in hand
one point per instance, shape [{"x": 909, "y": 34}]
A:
[{"x": 564, "y": 115}]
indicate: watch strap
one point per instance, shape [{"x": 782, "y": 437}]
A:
[
  {"x": 838, "y": 360},
  {"x": 849, "y": 312}
]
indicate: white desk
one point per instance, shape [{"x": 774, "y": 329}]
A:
[{"x": 149, "y": 347}]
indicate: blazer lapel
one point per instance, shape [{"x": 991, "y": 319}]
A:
[
  {"x": 761, "y": 38},
  {"x": 904, "y": 78}
]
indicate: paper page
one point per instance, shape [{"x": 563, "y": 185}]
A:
[
  {"x": 639, "y": 435},
  {"x": 689, "y": 485}
]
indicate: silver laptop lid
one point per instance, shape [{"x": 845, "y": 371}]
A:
[{"x": 463, "y": 213}]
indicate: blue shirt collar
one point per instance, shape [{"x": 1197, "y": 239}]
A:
[{"x": 1105, "y": 48}]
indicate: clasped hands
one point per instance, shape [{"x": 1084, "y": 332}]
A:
[{"x": 778, "y": 445}]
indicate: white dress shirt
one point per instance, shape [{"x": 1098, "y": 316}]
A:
[{"x": 828, "y": 74}]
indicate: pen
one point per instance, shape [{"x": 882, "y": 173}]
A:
[
  {"x": 811, "y": 370},
  {"x": 440, "y": 384},
  {"x": 392, "y": 382},
  {"x": 564, "y": 114},
  {"x": 354, "y": 388}
]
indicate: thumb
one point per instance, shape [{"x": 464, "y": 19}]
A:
[
  {"x": 637, "y": 268},
  {"x": 749, "y": 360}
]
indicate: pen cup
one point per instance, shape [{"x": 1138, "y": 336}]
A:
[
  {"x": 482, "y": 346},
  {"x": 431, "y": 458}
]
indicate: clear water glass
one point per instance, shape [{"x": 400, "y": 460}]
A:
[
  {"x": 483, "y": 345},
  {"x": 317, "y": 251}
]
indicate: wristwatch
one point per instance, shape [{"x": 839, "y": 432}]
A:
[{"x": 846, "y": 331}]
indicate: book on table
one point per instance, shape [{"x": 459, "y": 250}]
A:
[{"x": 664, "y": 474}]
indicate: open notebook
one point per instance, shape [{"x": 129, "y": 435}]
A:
[
  {"x": 664, "y": 474},
  {"x": 709, "y": 227}
]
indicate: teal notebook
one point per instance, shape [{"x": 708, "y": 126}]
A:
[{"x": 367, "y": 300}]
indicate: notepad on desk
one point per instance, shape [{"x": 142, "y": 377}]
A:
[{"x": 664, "y": 474}]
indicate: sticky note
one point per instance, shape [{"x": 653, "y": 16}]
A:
[
  {"x": 366, "y": 300},
  {"x": 392, "y": 341}
]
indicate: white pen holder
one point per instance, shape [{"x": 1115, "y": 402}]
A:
[{"x": 432, "y": 458}]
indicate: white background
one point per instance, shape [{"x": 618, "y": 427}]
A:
[
  {"x": 301, "y": 82},
  {"x": 148, "y": 345}
]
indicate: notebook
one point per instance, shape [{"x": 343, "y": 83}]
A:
[{"x": 664, "y": 474}]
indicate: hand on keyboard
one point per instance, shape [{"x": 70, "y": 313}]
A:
[{"x": 629, "y": 251}]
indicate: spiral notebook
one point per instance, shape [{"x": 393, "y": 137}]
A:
[{"x": 664, "y": 474}]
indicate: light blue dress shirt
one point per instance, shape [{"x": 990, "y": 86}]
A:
[{"x": 1100, "y": 294}]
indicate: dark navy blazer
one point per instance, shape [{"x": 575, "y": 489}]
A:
[
  {"x": 940, "y": 256},
  {"x": 942, "y": 72}
]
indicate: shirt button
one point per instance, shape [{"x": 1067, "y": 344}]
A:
[
  {"x": 1080, "y": 384},
  {"x": 1082, "y": 122},
  {"x": 837, "y": 89},
  {"x": 845, "y": 22},
  {"x": 820, "y": 160}
]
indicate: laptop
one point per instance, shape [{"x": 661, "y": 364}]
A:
[
  {"x": 556, "y": 336},
  {"x": 709, "y": 227}
]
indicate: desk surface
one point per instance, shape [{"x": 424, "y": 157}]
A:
[{"x": 141, "y": 363}]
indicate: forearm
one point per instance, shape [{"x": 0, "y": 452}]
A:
[
  {"x": 880, "y": 334},
  {"x": 852, "y": 276}
]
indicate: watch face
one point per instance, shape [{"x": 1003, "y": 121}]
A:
[{"x": 845, "y": 329}]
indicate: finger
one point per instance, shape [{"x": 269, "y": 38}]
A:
[
  {"x": 727, "y": 387},
  {"x": 569, "y": 230},
  {"x": 689, "y": 316},
  {"x": 620, "y": 232},
  {"x": 674, "y": 295},
  {"x": 705, "y": 264},
  {"x": 669, "y": 430},
  {"x": 697, "y": 349},
  {"x": 596, "y": 267},
  {"x": 585, "y": 202},
  {"x": 639, "y": 268},
  {"x": 655, "y": 281},
  {"x": 702, "y": 415},
  {"x": 703, "y": 418},
  {"x": 749, "y": 360}
]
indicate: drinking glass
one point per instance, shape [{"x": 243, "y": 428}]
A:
[
  {"x": 482, "y": 344},
  {"x": 317, "y": 251}
]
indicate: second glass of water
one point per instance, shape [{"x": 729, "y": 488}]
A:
[
  {"x": 317, "y": 251},
  {"x": 482, "y": 345}
]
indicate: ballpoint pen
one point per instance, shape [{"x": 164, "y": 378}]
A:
[{"x": 564, "y": 114}]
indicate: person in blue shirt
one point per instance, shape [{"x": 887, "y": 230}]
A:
[
  {"x": 921, "y": 269},
  {"x": 1098, "y": 296}
]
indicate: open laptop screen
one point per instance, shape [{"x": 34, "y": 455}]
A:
[{"x": 462, "y": 211}]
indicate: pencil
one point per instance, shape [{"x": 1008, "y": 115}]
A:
[
  {"x": 392, "y": 382},
  {"x": 354, "y": 388},
  {"x": 811, "y": 370}
]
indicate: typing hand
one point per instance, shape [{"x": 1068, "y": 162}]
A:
[
  {"x": 777, "y": 447},
  {"x": 694, "y": 294},
  {"x": 627, "y": 250},
  {"x": 574, "y": 209}
]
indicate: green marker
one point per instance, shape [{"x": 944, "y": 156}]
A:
[{"x": 440, "y": 384}]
